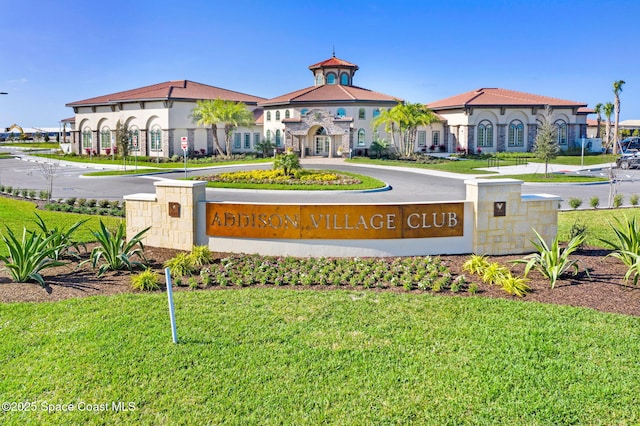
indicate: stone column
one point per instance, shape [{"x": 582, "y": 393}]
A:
[
  {"x": 501, "y": 142},
  {"x": 532, "y": 132}
]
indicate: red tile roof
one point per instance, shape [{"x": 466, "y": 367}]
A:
[
  {"x": 333, "y": 62},
  {"x": 329, "y": 93},
  {"x": 170, "y": 90},
  {"x": 502, "y": 97}
]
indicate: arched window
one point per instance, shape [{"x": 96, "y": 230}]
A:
[
  {"x": 278, "y": 138},
  {"x": 277, "y": 115},
  {"x": 344, "y": 79},
  {"x": 361, "y": 114},
  {"x": 156, "y": 139},
  {"x": 105, "y": 138},
  {"x": 287, "y": 114},
  {"x": 134, "y": 134},
  {"x": 321, "y": 131},
  {"x": 269, "y": 135},
  {"x": 86, "y": 138},
  {"x": 360, "y": 137},
  {"x": 341, "y": 112},
  {"x": 516, "y": 133},
  {"x": 304, "y": 111},
  {"x": 268, "y": 115},
  {"x": 561, "y": 130},
  {"x": 331, "y": 78},
  {"x": 319, "y": 80},
  {"x": 485, "y": 134},
  {"x": 376, "y": 112}
]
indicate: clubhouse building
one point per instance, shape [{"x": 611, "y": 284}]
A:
[{"x": 330, "y": 118}]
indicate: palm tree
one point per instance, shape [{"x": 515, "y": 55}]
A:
[
  {"x": 404, "y": 119},
  {"x": 218, "y": 111},
  {"x": 608, "y": 110},
  {"x": 598, "y": 111},
  {"x": 617, "y": 88}
]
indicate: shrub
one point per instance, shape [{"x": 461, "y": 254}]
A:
[
  {"x": 115, "y": 251},
  {"x": 16, "y": 191},
  {"x": 32, "y": 193},
  {"x": 146, "y": 281},
  {"x": 594, "y": 202},
  {"x": 180, "y": 265},
  {"x": 104, "y": 203},
  {"x": 574, "y": 203},
  {"x": 24, "y": 193},
  {"x": 8, "y": 189},
  {"x": 1, "y": 188},
  {"x": 578, "y": 229},
  {"x": 515, "y": 286},
  {"x": 494, "y": 273},
  {"x": 28, "y": 256},
  {"x": 205, "y": 276},
  {"x": 633, "y": 200},
  {"x": 193, "y": 283},
  {"x": 82, "y": 202},
  {"x": 200, "y": 255},
  {"x": 115, "y": 204},
  {"x": 473, "y": 288},
  {"x": 476, "y": 264},
  {"x": 552, "y": 262},
  {"x": 71, "y": 201},
  {"x": 618, "y": 199},
  {"x": 91, "y": 203}
]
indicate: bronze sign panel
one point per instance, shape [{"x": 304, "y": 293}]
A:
[
  {"x": 499, "y": 208},
  {"x": 335, "y": 221},
  {"x": 174, "y": 209}
]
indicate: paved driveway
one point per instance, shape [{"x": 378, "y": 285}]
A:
[{"x": 406, "y": 184}]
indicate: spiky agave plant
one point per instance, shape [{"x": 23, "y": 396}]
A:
[
  {"x": 29, "y": 255},
  {"x": 115, "y": 251}
]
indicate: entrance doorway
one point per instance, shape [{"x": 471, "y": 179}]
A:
[{"x": 322, "y": 145}]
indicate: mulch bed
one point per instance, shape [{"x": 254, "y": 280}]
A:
[{"x": 604, "y": 289}]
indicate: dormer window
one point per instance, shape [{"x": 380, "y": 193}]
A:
[
  {"x": 331, "y": 78},
  {"x": 341, "y": 113},
  {"x": 344, "y": 79},
  {"x": 319, "y": 80}
]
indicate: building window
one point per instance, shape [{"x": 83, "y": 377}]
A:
[
  {"x": 287, "y": 114},
  {"x": 256, "y": 139},
  {"x": 516, "y": 133},
  {"x": 422, "y": 138},
  {"x": 268, "y": 115},
  {"x": 105, "y": 138},
  {"x": 277, "y": 115},
  {"x": 236, "y": 140},
  {"x": 304, "y": 111},
  {"x": 435, "y": 138},
  {"x": 86, "y": 138},
  {"x": 331, "y": 78},
  {"x": 318, "y": 79},
  {"x": 156, "y": 139},
  {"x": 134, "y": 134},
  {"x": 376, "y": 112},
  {"x": 361, "y": 114},
  {"x": 344, "y": 79},
  {"x": 485, "y": 134},
  {"x": 269, "y": 135},
  {"x": 561, "y": 129},
  {"x": 278, "y": 138},
  {"x": 341, "y": 112},
  {"x": 360, "y": 137},
  {"x": 247, "y": 141}
]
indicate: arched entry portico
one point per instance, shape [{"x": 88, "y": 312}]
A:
[{"x": 318, "y": 133}]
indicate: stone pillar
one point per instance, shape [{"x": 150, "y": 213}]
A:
[
  {"x": 505, "y": 219},
  {"x": 169, "y": 151},
  {"x": 532, "y": 132},
  {"x": 501, "y": 140},
  {"x": 171, "y": 213},
  {"x": 142, "y": 142}
]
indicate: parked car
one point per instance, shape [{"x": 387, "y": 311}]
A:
[{"x": 631, "y": 144}]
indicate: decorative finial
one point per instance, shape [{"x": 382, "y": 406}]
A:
[{"x": 334, "y": 50}]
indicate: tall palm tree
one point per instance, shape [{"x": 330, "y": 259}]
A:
[
  {"x": 228, "y": 113},
  {"x": 617, "y": 88},
  {"x": 404, "y": 119},
  {"x": 608, "y": 110},
  {"x": 598, "y": 111}
]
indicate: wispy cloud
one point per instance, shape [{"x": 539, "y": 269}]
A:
[{"x": 20, "y": 80}]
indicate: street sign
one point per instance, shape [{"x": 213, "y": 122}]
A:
[
  {"x": 135, "y": 142},
  {"x": 184, "y": 143}
]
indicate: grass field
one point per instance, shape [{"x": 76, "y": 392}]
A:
[
  {"x": 281, "y": 356},
  {"x": 273, "y": 356}
]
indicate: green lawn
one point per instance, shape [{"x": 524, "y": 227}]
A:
[{"x": 275, "y": 356}]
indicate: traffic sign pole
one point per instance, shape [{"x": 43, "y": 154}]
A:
[{"x": 184, "y": 142}]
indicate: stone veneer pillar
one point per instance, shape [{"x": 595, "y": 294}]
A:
[
  {"x": 171, "y": 212},
  {"x": 510, "y": 231}
]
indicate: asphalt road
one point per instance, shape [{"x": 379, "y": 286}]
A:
[{"x": 406, "y": 185}]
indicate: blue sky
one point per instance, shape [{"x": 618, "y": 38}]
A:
[{"x": 59, "y": 52}]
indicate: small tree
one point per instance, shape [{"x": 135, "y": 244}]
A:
[
  {"x": 266, "y": 147},
  {"x": 49, "y": 170},
  {"x": 546, "y": 147},
  {"x": 122, "y": 141},
  {"x": 288, "y": 162}
]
